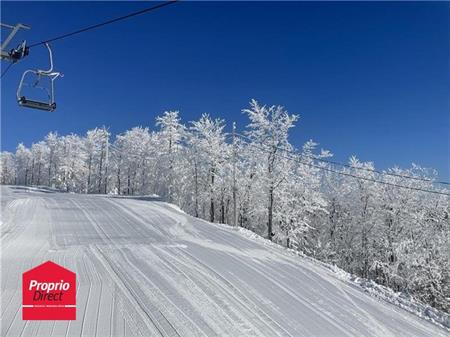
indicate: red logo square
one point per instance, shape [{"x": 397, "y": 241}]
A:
[{"x": 49, "y": 293}]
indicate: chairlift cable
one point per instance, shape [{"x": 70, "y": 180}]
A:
[
  {"x": 82, "y": 30},
  {"x": 6, "y": 70},
  {"x": 352, "y": 175},
  {"x": 352, "y": 167}
]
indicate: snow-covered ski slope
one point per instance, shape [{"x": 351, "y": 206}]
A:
[{"x": 145, "y": 269}]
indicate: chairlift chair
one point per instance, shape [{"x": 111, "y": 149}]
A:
[{"x": 49, "y": 104}]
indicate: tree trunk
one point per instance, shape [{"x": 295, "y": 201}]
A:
[
  {"x": 106, "y": 179},
  {"x": 270, "y": 169},
  {"x": 211, "y": 208},
  {"x": 118, "y": 179},
  {"x": 89, "y": 174},
  {"x": 270, "y": 211},
  {"x": 196, "y": 188},
  {"x": 128, "y": 182},
  {"x": 100, "y": 171},
  {"x": 222, "y": 210},
  {"x": 50, "y": 169},
  {"x": 170, "y": 170},
  {"x": 39, "y": 173},
  {"x": 32, "y": 172},
  {"x": 26, "y": 176}
]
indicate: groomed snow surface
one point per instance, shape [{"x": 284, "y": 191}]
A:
[{"x": 146, "y": 269}]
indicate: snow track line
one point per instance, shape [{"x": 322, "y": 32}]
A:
[
  {"x": 13, "y": 233},
  {"x": 10, "y": 212},
  {"x": 66, "y": 326},
  {"x": 137, "y": 217},
  {"x": 130, "y": 289},
  {"x": 111, "y": 315},
  {"x": 92, "y": 308},
  {"x": 176, "y": 270},
  {"x": 98, "y": 309},
  {"x": 306, "y": 273},
  {"x": 148, "y": 279},
  {"x": 165, "y": 318},
  {"x": 109, "y": 266},
  {"x": 386, "y": 332},
  {"x": 338, "y": 284},
  {"x": 154, "y": 306},
  {"x": 171, "y": 262},
  {"x": 4, "y": 308},
  {"x": 122, "y": 284},
  {"x": 99, "y": 230},
  {"x": 87, "y": 300},
  {"x": 168, "y": 322},
  {"x": 17, "y": 285},
  {"x": 287, "y": 289},
  {"x": 249, "y": 301}
]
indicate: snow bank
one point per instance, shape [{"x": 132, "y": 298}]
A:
[{"x": 400, "y": 299}]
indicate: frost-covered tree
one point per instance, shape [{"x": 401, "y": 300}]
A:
[
  {"x": 208, "y": 140},
  {"x": 134, "y": 152},
  {"x": 72, "y": 173},
  {"x": 52, "y": 143},
  {"x": 94, "y": 143},
  {"x": 268, "y": 130},
  {"x": 8, "y": 168},
  {"x": 171, "y": 134},
  {"x": 23, "y": 164},
  {"x": 302, "y": 202}
]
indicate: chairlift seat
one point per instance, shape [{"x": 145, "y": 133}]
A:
[{"x": 23, "y": 101}]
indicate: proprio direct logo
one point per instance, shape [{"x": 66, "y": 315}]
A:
[{"x": 49, "y": 293}]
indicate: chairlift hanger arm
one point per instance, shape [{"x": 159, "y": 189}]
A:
[
  {"x": 14, "y": 30},
  {"x": 50, "y": 55},
  {"x": 15, "y": 54}
]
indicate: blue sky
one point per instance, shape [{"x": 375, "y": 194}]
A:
[{"x": 369, "y": 79}]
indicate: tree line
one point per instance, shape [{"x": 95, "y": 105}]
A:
[{"x": 396, "y": 236}]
